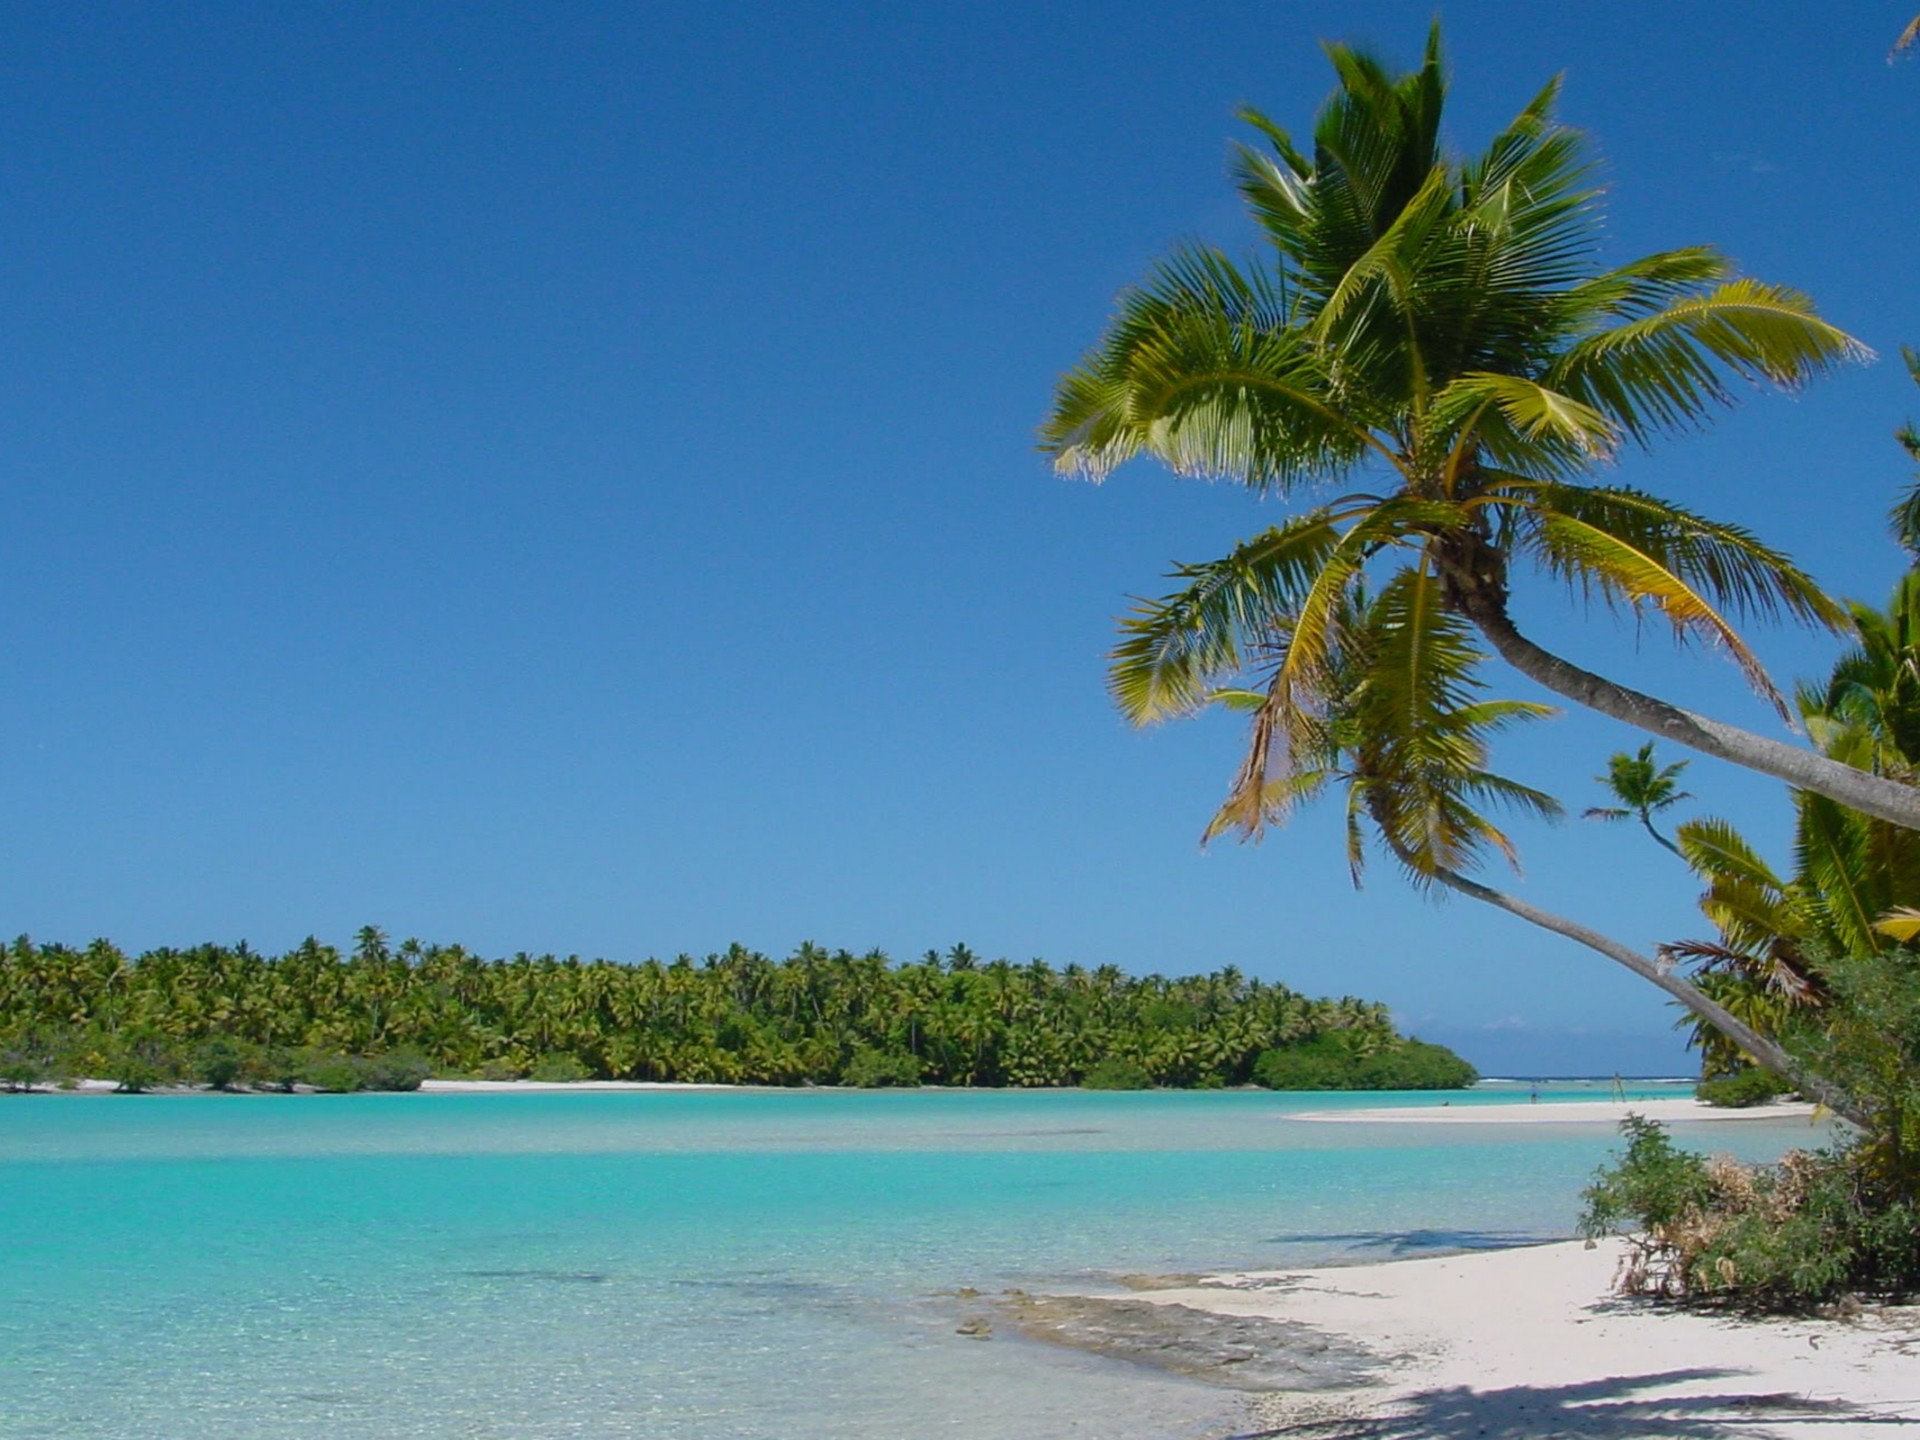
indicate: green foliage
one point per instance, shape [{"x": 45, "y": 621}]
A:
[
  {"x": 331, "y": 1074},
  {"x": 1334, "y": 1062},
  {"x": 219, "y": 1063},
  {"x": 395, "y": 1070},
  {"x": 1437, "y": 327},
  {"x": 1868, "y": 1042},
  {"x": 139, "y": 1059},
  {"x": 314, "y": 1015},
  {"x": 29, "y": 1057},
  {"x": 338, "y": 1074},
  {"x": 1815, "y": 1227},
  {"x": 1115, "y": 1072},
  {"x": 1744, "y": 1088},
  {"x": 1652, "y": 1186},
  {"x": 555, "y": 1069},
  {"x": 873, "y": 1069}
]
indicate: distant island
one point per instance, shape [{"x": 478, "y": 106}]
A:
[{"x": 387, "y": 1017}]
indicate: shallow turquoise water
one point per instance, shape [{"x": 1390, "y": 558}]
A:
[{"x": 748, "y": 1264}]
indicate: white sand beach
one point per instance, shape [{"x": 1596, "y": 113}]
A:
[
  {"x": 1530, "y": 1343},
  {"x": 1563, "y": 1112}
]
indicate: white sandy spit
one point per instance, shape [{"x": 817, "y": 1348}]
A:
[
  {"x": 1559, "y": 1112},
  {"x": 1529, "y": 1343}
]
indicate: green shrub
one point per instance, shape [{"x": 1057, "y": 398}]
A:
[
  {"x": 873, "y": 1069},
  {"x": 395, "y": 1070},
  {"x": 219, "y": 1063},
  {"x": 138, "y": 1060},
  {"x": 559, "y": 1069},
  {"x": 1336, "y": 1061},
  {"x": 276, "y": 1067},
  {"x": 333, "y": 1074},
  {"x": 1321, "y": 1063},
  {"x": 501, "y": 1069},
  {"x": 1816, "y": 1226},
  {"x": 1116, "y": 1073},
  {"x": 1414, "y": 1065},
  {"x": 1743, "y": 1089},
  {"x": 28, "y": 1057}
]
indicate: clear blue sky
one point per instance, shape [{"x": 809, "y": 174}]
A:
[{"x": 561, "y": 476}]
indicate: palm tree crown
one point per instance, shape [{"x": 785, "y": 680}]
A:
[
  {"x": 1643, "y": 789},
  {"x": 1440, "y": 326}
]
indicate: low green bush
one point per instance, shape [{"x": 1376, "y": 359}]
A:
[
  {"x": 395, "y": 1070},
  {"x": 1333, "y": 1061},
  {"x": 873, "y": 1069},
  {"x": 333, "y": 1074},
  {"x": 559, "y": 1069},
  {"x": 139, "y": 1060},
  {"x": 219, "y": 1063},
  {"x": 1116, "y": 1073},
  {"x": 29, "y": 1057},
  {"x": 1743, "y": 1088},
  {"x": 1816, "y": 1226}
]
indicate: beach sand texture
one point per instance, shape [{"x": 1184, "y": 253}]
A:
[{"x": 1529, "y": 1344}]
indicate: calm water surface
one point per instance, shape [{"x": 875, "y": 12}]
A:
[{"x": 749, "y": 1265}]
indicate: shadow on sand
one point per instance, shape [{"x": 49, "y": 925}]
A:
[{"x": 1611, "y": 1409}]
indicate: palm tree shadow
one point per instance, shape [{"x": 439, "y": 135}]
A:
[{"x": 1610, "y": 1409}]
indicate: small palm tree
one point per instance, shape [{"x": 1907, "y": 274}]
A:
[
  {"x": 1441, "y": 324},
  {"x": 1643, "y": 790}
]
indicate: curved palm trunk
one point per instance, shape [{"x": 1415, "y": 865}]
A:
[
  {"x": 1661, "y": 838},
  {"x": 1767, "y": 1053},
  {"x": 1871, "y": 794}
]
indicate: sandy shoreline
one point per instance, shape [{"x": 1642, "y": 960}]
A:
[
  {"x": 1529, "y": 1344},
  {"x": 1557, "y": 1112}
]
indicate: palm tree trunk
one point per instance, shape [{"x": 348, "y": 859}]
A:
[
  {"x": 1661, "y": 838},
  {"x": 1767, "y": 1053},
  {"x": 1889, "y": 800}
]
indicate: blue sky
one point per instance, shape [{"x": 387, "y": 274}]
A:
[{"x": 561, "y": 476}]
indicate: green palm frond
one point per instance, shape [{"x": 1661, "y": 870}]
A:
[
  {"x": 1727, "y": 563},
  {"x": 1590, "y": 558},
  {"x": 1400, "y": 718},
  {"x": 1537, "y": 414},
  {"x": 1667, "y": 369},
  {"x": 1713, "y": 848},
  {"x": 1830, "y": 846},
  {"x": 1200, "y": 369},
  {"x": 1174, "y": 651}
]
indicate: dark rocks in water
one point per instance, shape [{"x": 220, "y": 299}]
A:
[
  {"x": 1158, "y": 1282},
  {"x": 1241, "y": 1352},
  {"x": 975, "y": 1327}
]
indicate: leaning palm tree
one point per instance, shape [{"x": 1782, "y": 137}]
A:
[
  {"x": 1643, "y": 789},
  {"x": 1405, "y": 731},
  {"x": 1440, "y": 326}
]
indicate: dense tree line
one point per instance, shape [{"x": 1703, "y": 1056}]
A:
[{"x": 229, "y": 1014}]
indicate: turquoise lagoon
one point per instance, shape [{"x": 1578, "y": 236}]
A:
[{"x": 696, "y": 1265}]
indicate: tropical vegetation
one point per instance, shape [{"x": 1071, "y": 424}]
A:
[
  {"x": 1439, "y": 329},
  {"x": 385, "y": 1016},
  {"x": 1822, "y": 959},
  {"x": 1819, "y": 1226},
  {"x": 1435, "y": 335}
]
